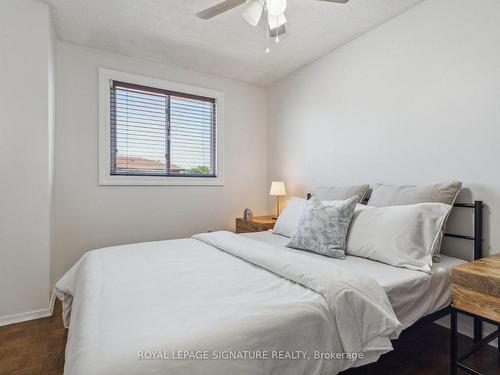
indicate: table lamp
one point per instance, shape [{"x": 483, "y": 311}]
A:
[{"x": 277, "y": 190}]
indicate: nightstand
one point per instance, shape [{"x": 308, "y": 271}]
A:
[
  {"x": 255, "y": 224},
  {"x": 475, "y": 291}
]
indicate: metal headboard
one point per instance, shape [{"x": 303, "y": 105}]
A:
[{"x": 477, "y": 238}]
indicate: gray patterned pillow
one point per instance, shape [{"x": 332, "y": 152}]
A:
[{"x": 323, "y": 227}]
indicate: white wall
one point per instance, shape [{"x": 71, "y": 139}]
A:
[
  {"x": 26, "y": 131},
  {"x": 414, "y": 101},
  {"x": 89, "y": 216}
]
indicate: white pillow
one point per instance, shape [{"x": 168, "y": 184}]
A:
[
  {"x": 402, "y": 236},
  {"x": 288, "y": 221},
  {"x": 394, "y": 195},
  {"x": 324, "y": 193}
]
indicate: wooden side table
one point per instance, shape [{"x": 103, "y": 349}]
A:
[
  {"x": 255, "y": 224},
  {"x": 475, "y": 291}
]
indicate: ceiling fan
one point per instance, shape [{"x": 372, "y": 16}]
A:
[{"x": 253, "y": 11}]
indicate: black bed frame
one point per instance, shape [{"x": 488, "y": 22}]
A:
[{"x": 477, "y": 240}]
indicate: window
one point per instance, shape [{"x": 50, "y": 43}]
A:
[
  {"x": 155, "y": 132},
  {"x": 158, "y": 132}
]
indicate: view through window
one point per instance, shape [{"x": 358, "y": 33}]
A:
[{"x": 156, "y": 132}]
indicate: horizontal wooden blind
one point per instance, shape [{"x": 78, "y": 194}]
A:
[{"x": 156, "y": 132}]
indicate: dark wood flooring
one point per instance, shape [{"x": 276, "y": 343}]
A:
[
  {"x": 34, "y": 347},
  {"x": 37, "y": 348}
]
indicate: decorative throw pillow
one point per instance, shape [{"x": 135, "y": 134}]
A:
[{"x": 323, "y": 228}]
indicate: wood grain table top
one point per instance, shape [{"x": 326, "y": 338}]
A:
[
  {"x": 269, "y": 219},
  {"x": 255, "y": 224},
  {"x": 475, "y": 287}
]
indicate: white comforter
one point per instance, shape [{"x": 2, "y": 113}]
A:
[{"x": 189, "y": 302}]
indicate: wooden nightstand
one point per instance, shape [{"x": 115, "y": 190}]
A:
[
  {"x": 475, "y": 291},
  {"x": 255, "y": 224}
]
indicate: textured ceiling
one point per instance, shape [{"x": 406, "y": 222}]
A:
[{"x": 168, "y": 32}]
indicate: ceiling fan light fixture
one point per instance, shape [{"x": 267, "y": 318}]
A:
[
  {"x": 276, "y": 21},
  {"x": 276, "y": 7},
  {"x": 253, "y": 12}
]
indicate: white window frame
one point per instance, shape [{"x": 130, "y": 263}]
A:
[{"x": 105, "y": 177}]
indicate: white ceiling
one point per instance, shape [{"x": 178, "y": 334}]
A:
[{"x": 168, "y": 32}]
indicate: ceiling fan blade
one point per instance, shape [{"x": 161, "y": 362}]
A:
[
  {"x": 219, "y": 9},
  {"x": 336, "y": 1}
]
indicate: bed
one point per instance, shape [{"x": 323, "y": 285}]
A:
[
  {"x": 412, "y": 294},
  {"x": 221, "y": 303}
]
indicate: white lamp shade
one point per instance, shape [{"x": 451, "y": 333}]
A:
[
  {"x": 276, "y": 7},
  {"x": 253, "y": 12},
  {"x": 276, "y": 21},
  {"x": 277, "y": 188}
]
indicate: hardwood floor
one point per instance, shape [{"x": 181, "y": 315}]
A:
[
  {"x": 33, "y": 347},
  {"x": 37, "y": 348}
]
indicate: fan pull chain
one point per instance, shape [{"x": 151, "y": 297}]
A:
[
  {"x": 268, "y": 31},
  {"x": 277, "y": 39}
]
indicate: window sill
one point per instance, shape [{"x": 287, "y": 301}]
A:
[{"x": 160, "y": 181}]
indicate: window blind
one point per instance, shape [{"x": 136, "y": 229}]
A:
[{"x": 156, "y": 132}]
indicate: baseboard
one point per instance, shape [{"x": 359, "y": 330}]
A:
[
  {"x": 52, "y": 301},
  {"x": 466, "y": 327},
  {"x": 30, "y": 315}
]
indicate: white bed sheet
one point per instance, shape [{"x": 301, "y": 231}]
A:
[
  {"x": 413, "y": 294},
  {"x": 218, "y": 292}
]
